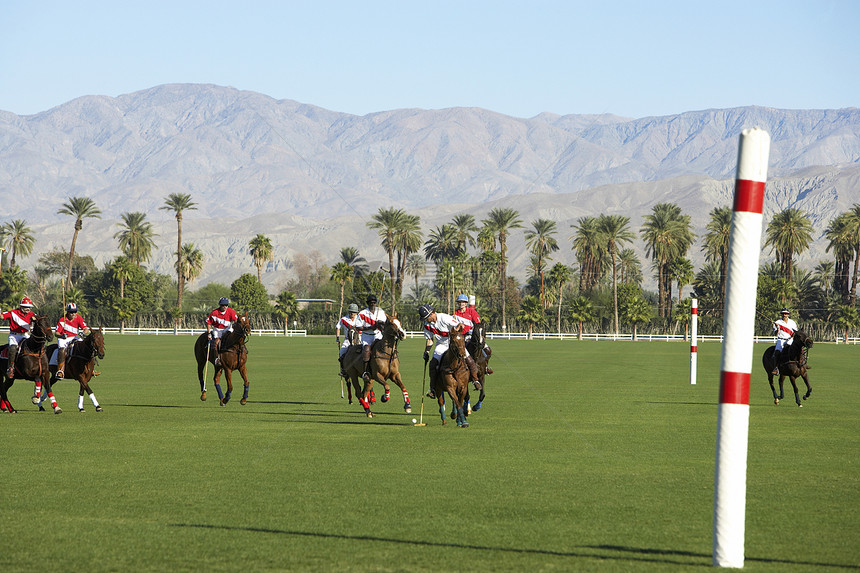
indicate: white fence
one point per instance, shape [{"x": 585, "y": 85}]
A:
[{"x": 490, "y": 335}]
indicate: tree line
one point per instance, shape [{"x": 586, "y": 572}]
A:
[{"x": 601, "y": 291}]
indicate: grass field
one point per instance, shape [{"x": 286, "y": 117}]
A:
[{"x": 587, "y": 456}]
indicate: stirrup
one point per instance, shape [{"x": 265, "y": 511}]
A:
[
  {"x": 775, "y": 370},
  {"x": 477, "y": 384},
  {"x": 430, "y": 394},
  {"x": 10, "y": 372},
  {"x": 489, "y": 370},
  {"x": 366, "y": 376},
  {"x": 60, "y": 374},
  {"x": 342, "y": 373}
]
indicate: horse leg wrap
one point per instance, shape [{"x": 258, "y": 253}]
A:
[
  {"x": 245, "y": 393},
  {"x": 220, "y": 393},
  {"x": 10, "y": 372}
]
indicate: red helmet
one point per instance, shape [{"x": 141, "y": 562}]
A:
[{"x": 26, "y": 302}]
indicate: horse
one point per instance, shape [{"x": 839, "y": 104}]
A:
[
  {"x": 31, "y": 363},
  {"x": 80, "y": 365},
  {"x": 792, "y": 364},
  {"x": 232, "y": 355},
  {"x": 475, "y": 348},
  {"x": 454, "y": 377},
  {"x": 384, "y": 365},
  {"x": 353, "y": 339}
]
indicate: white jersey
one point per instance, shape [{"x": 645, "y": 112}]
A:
[
  {"x": 439, "y": 331},
  {"x": 367, "y": 318},
  {"x": 784, "y": 330}
]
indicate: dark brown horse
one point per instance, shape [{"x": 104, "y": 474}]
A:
[
  {"x": 475, "y": 348},
  {"x": 792, "y": 364},
  {"x": 232, "y": 355},
  {"x": 80, "y": 365},
  {"x": 31, "y": 363},
  {"x": 453, "y": 377},
  {"x": 384, "y": 366}
]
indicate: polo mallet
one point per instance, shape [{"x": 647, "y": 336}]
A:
[
  {"x": 423, "y": 385},
  {"x": 339, "y": 376}
]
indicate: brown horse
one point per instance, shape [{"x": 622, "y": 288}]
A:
[
  {"x": 453, "y": 377},
  {"x": 80, "y": 365},
  {"x": 232, "y": 355},
  {"x": 475, "y": 348},
  {"x": 792, "y": 364},
  {"x": 384, "y": 366},
  {"x": 31, "y": 363}
]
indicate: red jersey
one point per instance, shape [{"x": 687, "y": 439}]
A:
[
  {"x": 222, "y": 320},
  {"x": 19, "y": 321},
  {"x": 73, "y": 327},
  {"x": 468, "y": 316}
]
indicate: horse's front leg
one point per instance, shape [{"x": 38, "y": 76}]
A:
[
  {"x": 796, "y": 393},
  {"x": 216, "y": 379},
  {"x": 808, "y": 387},
  {"x": 244, "y": 373},
  {"x": 440, "y": 398},
  {"x": 773, "y": 388},
  {"x": 228, "y": 375},
  {"x": 5, "y": 384},
  {"x": 407, "y": 406},
  {"x": 46, "y": 384}
]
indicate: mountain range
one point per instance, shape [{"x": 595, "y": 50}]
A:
[{"x": 311, "y": 178}]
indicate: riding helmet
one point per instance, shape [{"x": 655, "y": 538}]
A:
[
  {"x": 424, "y": 311},
  {"x": 784, "y": 311},
  {"x": 352, "y": 308},
  {"x": 462, "y": 298},
  {"x": 223, "y": 301},
  {"x": 26, "y": 302},
  {"x": 71, "y": 307},
  {"x": 371, "y": 298}
]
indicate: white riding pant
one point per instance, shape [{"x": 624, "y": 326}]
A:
[{"x": 782, "y": 343}]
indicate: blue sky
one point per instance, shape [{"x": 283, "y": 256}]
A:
[{"x": 634, "y": 59}]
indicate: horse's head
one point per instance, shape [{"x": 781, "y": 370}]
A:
[
  {"x": 457, "y": 342},
  {"x": 242, "y": 326},
  {"x": 393, "y": 329},
  {"x": 43, "y": 330},
  {"x": 97, "y": 340},
  {"x": 479, "y": 334},
  {"x": 803, "y": 339}
]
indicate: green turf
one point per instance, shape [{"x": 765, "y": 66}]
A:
[{"x": 587, "y": 456}]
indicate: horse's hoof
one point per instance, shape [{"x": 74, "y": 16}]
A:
[
  {"x": 81, "y": 410},
  {"x": 350, "y": 401},
  {"x": 203, "y": 397},
  {"x": 444, "y": 422},
  {"x": 369, "y": 414},
  {"x": 408, "y": 408},
  {"x": 800, "y": 405},
  {"x": 41, "y": 408},
  {"x": 58, "y": 410},
  {"x": 385, "y": 398},
  {"x": 34, "y": 399},
  {"x": 222, "y": 402},
  {"x": 776, "y": 401},
  {"x": 464, "y": 425},
  {"x": 243, "y": 401},
  {"x": 99, "y": 409},
  {"x": 477, "y": 406}
]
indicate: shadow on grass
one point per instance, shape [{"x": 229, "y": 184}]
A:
[{"x": 605, "y": 552}]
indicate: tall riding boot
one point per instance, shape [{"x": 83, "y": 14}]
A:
[
  {"x": 365, "y": 356},
  {"x": 776, "y": 359},
  {"x": 217, "y": 345},
  {"x": 488, "y": 352},
  {"x": 10, "y": 372},
  {"x": 61, "y": 363},
  {"x": 434, "y": 365},
  {"x": 342, "y": 371},
  {"x": 473, "y": 372}
]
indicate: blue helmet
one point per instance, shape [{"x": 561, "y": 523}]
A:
[
  {"x": 223, "y": 301},
  {"x": 462, "y": 298}
]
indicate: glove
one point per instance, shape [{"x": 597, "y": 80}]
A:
[
  {"x": 338, "y": 339},
  {"x": 209, "y": 335},
  {"x": 426, "y": 355}
]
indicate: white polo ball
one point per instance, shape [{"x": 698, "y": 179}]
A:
[{"x": 414, "y": 420}]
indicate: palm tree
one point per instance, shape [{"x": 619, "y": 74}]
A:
[
  {"x": 122, "y": 269},
  {"x": 341, "y": 273},
  {"x": 789, "y": 233},
  {"x": 407, "y": 241},
  {"x": 486, "y": 239},
  {"x": 190, "y": 263},
  {"x": 590, "y": 252},
  {"x": 441, "y": 244},
  {"x": 502, "y": 221},
  {"x": 614, "y": 231},
  {"x": 682, "y": 271},
  {"x": 387, "y": 222},
  {"x": 668, "y": 235},
  {"x": 559, "y": 276},
  {"x": 716, "y": 243},
  {"x": 853, "y": 232},
  {"x": 629, "y": 266},
  {"x": 20, "y": 239},
  {"x": 824, "y": 275},
  {"x": 838, "y": 232},
  {"x": 416, "y": 266},
  {"x": 286, "y": 305},
  {"x": 637, "y": 310},
  {"x": 178, "y": 202},
  {"x": 541, "y": 242},
  {"x": 531, "y": 312},
  {"x": 80, "y": 208},
  {"x": 353, "y": 258},
  {"x": 848, "y": 318},
  {"x": 581, "y": 310},
  {"x": 260, "y": 248},
  {"x": 135, "y": 237},
  {"x": 464, "y": 226}
]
